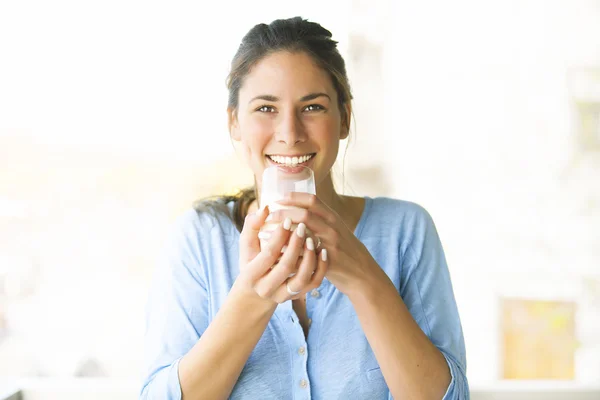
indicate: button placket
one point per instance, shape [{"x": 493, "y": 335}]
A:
[
  {"x": 313, "y": 311},
  {"x": 299, "y": 355},
  {"x": 312, "y": 298}
]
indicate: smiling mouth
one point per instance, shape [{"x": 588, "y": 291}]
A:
[{"x": 291, "y": 161}]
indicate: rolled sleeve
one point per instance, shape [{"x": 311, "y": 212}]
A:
[
  {"x": 459, "y": 387},
  {"x": 426, "y": 289},
  {"x": 164, "y": 384},
  {"x": 176, "y": 310}
]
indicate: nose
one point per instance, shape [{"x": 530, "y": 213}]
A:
[{"x": 290, "y": 130}]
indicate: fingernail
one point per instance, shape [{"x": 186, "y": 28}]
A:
[
  {"x": 324, "y": 254},
  {"x": 301, "y": 229},
  {"x": 310, "y": 244},
  {"x": 284, "y": 248},
  {"x": 269, "y": 218},
  {"x": 287, "y": 224},
  {"x": 264, "y": 235}
]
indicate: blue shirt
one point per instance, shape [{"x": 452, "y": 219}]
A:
[{"x": 200, "y": 265}]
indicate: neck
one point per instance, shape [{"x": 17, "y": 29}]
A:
[{"x": 327, "y": 194}]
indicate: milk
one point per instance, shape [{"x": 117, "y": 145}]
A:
[{"x": 276, "y": 184}]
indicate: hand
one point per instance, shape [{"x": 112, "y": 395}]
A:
[
  {"x": 349, "y": 261},
  {"x": 263, "y": 275}
]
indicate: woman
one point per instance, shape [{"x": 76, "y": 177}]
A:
[{"x": 372, "y": 312}]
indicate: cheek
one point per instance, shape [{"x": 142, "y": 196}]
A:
[
  {"x": 328, "y": 135},
  {"x": 256, "y": 134},
  {"x": 326, "y": 132}
]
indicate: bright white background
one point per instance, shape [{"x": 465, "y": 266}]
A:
[{"x": 112, "y": 120}]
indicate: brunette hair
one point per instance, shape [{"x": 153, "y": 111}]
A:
[{"x": 292, "y": 35}]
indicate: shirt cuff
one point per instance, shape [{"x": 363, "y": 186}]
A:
[
  {"x": 165, "y": 384},
  {"x": 457, "y": 389},
  {"x": 174, "y": 386}
]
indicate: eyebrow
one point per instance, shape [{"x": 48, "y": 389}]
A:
[{"x": 308, "y": 97}]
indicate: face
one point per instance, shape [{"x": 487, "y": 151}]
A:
[{"x": 288, "y": 113}]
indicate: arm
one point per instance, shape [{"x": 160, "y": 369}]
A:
[
  {"x": 416, "y": 334},
  {"x": 185, "y": 355},
  {"x": 412, "y": 366},
  {"x": 238, "y": 326},
  {"x": 227, "y": 343},
  {"x": 194, "y": 360},
  {"x": 411, "y": 330}
]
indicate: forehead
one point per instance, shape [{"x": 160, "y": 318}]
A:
[{"x": 286, "y": 74}]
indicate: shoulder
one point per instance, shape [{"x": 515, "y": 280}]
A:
[
  {"x": 398, "y": 212},
  {"x": 205, "y": 215},
  {"x": 201, "y": 223},
  {"x": 191, "y": 223},
  {"x": 405, "y": 224},
  {"x": 192, "y": 242}
]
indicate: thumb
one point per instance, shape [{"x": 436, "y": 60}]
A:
[{"x": 249, "y": 242}]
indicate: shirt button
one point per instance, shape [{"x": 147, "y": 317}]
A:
[
  {"x": 303, "y": 383},
  {"x": 315, "y": 293},
  {"x": 309, "y": 321},
  {"x": 301, "y": 350}
]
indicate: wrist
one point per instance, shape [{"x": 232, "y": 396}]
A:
[
  {"x": 248, "y": 296},
  {"x": 369, "y": 286}
]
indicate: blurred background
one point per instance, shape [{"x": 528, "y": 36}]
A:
[{"x": 112, "y": 122}]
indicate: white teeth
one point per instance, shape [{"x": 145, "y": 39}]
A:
[{"x": 290, "y": 161}]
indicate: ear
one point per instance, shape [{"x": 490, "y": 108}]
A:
[
  {"x": 234, "y": 126},
  {"x": 345, "y": 126}
]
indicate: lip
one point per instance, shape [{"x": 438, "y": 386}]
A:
[{"x": 296, "y": 169}]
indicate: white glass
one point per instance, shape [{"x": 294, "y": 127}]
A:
[{"x": 277, "y": 182}]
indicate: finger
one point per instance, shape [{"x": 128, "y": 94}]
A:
[
  {"x": 310, "y": 234},
  {"x": 269, "y": 254},
  {"x": 301, "y": 281},
  {"x": 288, "y": 262},
  {"x": 320, "y": 270},
  {"x": 316, "y": 280},
  {"x": 310, "y": 202},
  {"x": 249, "y": 242},
  {"x": 315, "y": 223}
]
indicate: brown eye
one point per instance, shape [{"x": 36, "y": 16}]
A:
[
  {"x": 314, "y": 107},
  {"x": 266, "y": 109}
]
